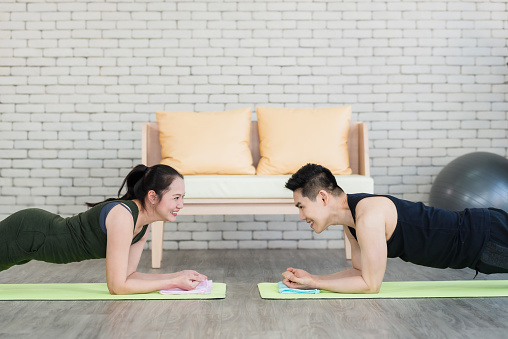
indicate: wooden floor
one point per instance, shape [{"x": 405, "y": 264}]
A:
[{"x": 243, "y": 314}]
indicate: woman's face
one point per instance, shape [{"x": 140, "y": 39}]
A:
[{"x": 171, "y": 201}]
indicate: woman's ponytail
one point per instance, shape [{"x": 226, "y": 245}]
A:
[
  {"x": 132, "y": 182},
  {"x": 142, "y": 179}
]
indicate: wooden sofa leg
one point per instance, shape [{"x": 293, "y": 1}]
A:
[
  {"x": 347, "y": 247},
  {"x": 157, "y": 240}
]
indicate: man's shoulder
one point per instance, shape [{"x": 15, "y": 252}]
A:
[{"x": 373, "y": 203}]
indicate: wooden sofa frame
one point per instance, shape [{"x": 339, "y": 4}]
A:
[{"x": 151, "y": 155}]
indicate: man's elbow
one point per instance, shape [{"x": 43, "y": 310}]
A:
[{"x": 114, "y": 291}]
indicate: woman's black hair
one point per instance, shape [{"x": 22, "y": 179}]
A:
[
  {"x": 312, "y": 178},
  {"x": 142, "y": 179}
]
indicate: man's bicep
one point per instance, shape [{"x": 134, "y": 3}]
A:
[{"x": 371, "y": 238}]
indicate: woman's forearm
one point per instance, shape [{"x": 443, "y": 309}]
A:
[
  {"x": 134, "y": 285},
  {"x": 145, "y": 282},
  {"x": 150, "y": 276}
]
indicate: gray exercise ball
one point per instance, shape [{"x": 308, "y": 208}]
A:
[{"x": 477, "y": 179}]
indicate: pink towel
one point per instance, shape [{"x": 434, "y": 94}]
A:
[{"x": 204, "y": 287}]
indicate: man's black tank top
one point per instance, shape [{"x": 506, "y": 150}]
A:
[{"x": 432, "y": 236}]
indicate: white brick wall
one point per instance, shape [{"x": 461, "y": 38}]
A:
[{"x": 78, "y": 78}]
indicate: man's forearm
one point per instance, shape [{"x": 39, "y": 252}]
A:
[
  {"x": 348, "y": 281},
  {"x": 345, "y": 284},
  {"x": 339, "y": 275}
]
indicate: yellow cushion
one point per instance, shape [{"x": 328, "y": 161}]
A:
[
  {"x": 291, "y": 137},
  {"x": 206, "y": 143}
]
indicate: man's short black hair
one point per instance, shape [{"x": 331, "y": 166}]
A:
[{"x": 313, "y": 178}]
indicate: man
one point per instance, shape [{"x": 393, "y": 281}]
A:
[{"x": 381, "y": 227}]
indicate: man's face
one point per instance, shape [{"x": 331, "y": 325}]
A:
[{"x": 313, "y": 212}]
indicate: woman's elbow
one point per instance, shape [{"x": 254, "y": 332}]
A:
[
  {"x": 117, "y": 289},
  {"x": 373, "y": 289}
]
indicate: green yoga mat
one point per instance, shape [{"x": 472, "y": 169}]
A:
[
  {"x": 405, "y": 290},
  {"x": 91, "y": 291}
]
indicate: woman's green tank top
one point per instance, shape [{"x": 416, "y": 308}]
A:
[{"x": 79, "y": 237}]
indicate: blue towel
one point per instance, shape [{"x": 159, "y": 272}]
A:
[{"x": 286, "y": 290}]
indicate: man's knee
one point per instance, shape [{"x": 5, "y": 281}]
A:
[{"x": 494, "y": 259}]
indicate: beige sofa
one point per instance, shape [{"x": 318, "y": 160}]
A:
[{"x": 251, "y": 194}]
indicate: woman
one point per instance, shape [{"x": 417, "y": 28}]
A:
[{"x": 115, "y": 229}]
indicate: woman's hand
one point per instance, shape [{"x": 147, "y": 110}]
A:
[
  {"x": 297, "y": 278},
  {"x": 192, "y": 273},
  {"x": 188, "y": 279}
]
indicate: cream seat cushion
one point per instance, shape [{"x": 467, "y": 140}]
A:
[{"x": 260, "y": 186}]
